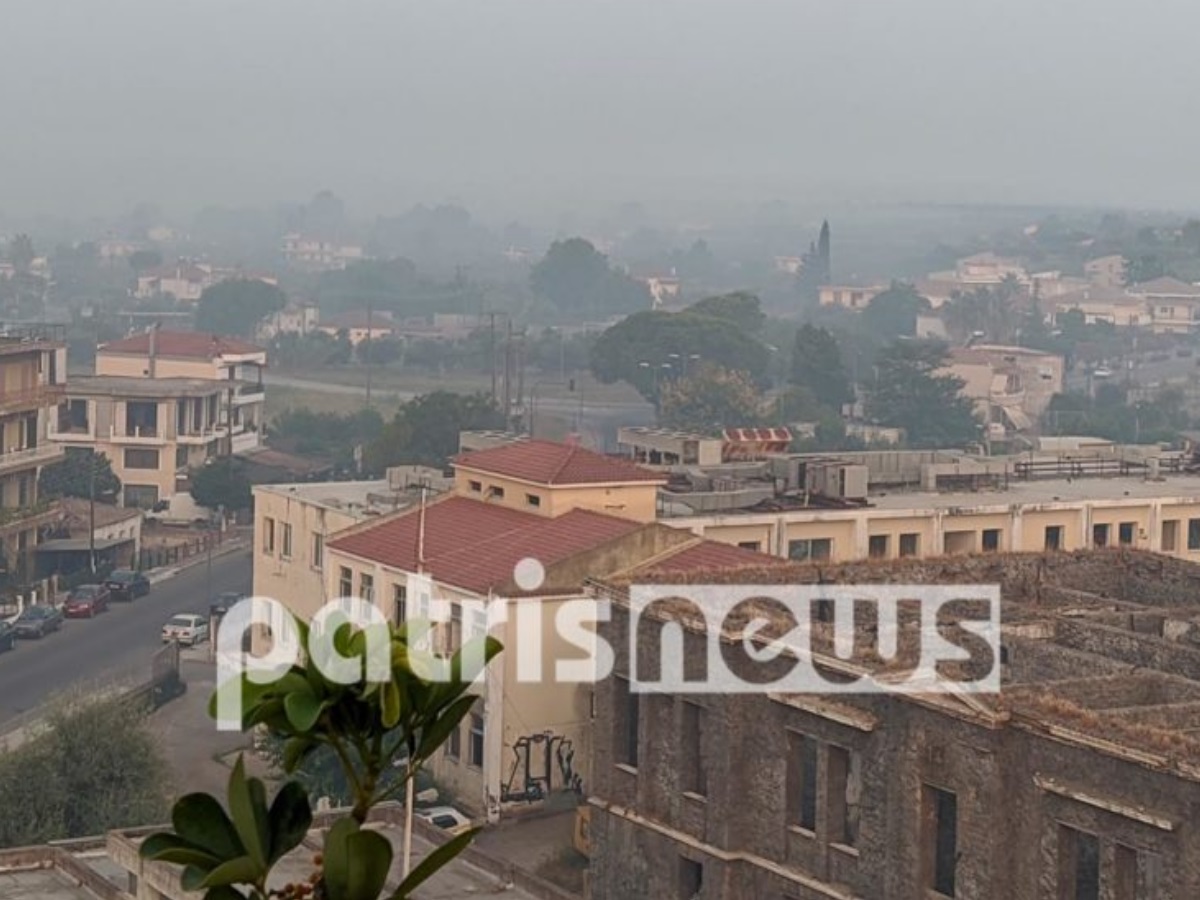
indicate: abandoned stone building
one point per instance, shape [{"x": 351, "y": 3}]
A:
[{"x": 1080, "y": 780}]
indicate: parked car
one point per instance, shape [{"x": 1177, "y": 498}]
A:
[
  {"x": 446, "y": 818},
  {"x": 8, "y": 636},
  {"x": 37, "y": 621},
  {"x": 126, "y": 584},
  {"x": 86, "y": 601},
  {"x": 187, "y": 629}
]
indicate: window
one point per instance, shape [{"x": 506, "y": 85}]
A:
[
  {"x": 991, "y": 540},
  {"x": 141, "y": 458},
  {"x": 1054, "y": 537},
  {"x": 750, "y": 545},
  {"x": 366, "y": 587},
  {"x": 141, "y": 496},
  {"x": 400, "y": 603},
  {"x": 318, "y": 551},
  {"x": 877, "y": 546},
  {"x": 910, "y": 544},
  {"x": 1136, "y": 875},
  {"x": 843, "y": 792},
  {"x": 475, "y": 486},
  {"x": 1193, "y": 536},
  {"x": 476, "y": 740},
  {"x": 941, "y": 840},
  {"x": 497, "y": 492},
  {"x": 1078, "y": 865},
  {"x": 691, "y": 770},
  {"x": 625, "y": 749},
  {"x": 345, "y": 582},
  {"x": 454, "y": 744},
  {"x": 533, "y": 500},
  {"x": 1126, "y": 533},
  {"x": 802, "y": 781},
  {"x": 181, "y": 457},
  {"x": 1170, "y": 536},
  {"x": 1099, "y": 535},
  {"x": 813, "y": 549},
  {"x": 268, "y": 536},
  {"x": 286, "y": 548},
  {"x": 691, "y": 878}
]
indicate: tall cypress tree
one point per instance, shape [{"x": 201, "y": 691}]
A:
[{"x": 824, "y": 253}]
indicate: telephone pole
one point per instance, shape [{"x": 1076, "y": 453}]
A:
[
  {"x": 367, "y": 353},
  {"x": 508, "y": 362}
]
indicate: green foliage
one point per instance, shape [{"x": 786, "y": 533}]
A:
[
  {"x": 236, "y": 306},
  {"x": 369, "y": 726},
  {"x": 1109, "y": 415},
  {"x": 986, "y": 310},
  {"x": 741, "y": 308},
  {"x": 709, "y": 400},
  {"x": 817, "y": 366},
  {"x": 651, "y": 337},
  {"x": 21, "y": 252},
  {"x": 425, "y": 429},
  {"x": 908, "y": 393},
  {"x": 81, "y": 473},
  {"x": 301, "y": 351},
  {"x": 141, "y": 260},
  {"x": 329, "y": 436},
  {"x": 893, "y": 313},
  {"x": 96, "y": 766},
  {"x": 221, "y": 483},
  {"x": 578, "y": 280}
]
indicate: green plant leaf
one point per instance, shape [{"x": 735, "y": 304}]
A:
[
  {"x": 192, "y": 878},
  {"x": 432, "y": 863},
  {"x": 242, "y": 870},
  {"x": 303, "y": 709},
  {"x": 370, "y": 856},
  {"x": 200, "y": 820},
  {"x": 245, "y": 816},
  {"x": 171, "y": 848},
  {"x": 436, "y": 733},
  {"x": 295, "y": 751},
  {"x": 291, "y": 817},
  {"x": 390, "y": 702},
  {"x": 336, "y": 865},
  {"x": 224, "y": 892}
]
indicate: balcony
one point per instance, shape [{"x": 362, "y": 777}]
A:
[
  {"x": 40, "y": 397},
  {"x": 143, "y": 436},
  {"x": 21, "y": 518},
  {"x": 249, "y": 393},
  {"x": 44, "y": 455},
  {"x": 199, "y": 438}
]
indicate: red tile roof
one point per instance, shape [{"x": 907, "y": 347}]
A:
[
  {"x": 187, "y": 344},
  {"x": 708, "y": 555},
  {"x": 474, "y": 545},
  {"x": 551, "y": 463}
]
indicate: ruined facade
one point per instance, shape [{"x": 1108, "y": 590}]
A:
[{"x": 1081, "y": 779}]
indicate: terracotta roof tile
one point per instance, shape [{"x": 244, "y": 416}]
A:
[
  {"x": 475, "y": 545},
  {"x": 187, "y": 344},
  {"x": 707, "y": 555},
  {"x": 551, "y": 463}
]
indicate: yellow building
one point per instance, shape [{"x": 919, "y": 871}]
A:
[
  {"x": 235, "y": 364},
  {"x": 32, "y": 370},
  {"x": 154, "y": 432}
]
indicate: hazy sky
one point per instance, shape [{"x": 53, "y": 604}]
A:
[{"x": 549, "y": 104}]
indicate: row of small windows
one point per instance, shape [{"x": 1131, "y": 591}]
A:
[{"x": 496, "y": 492}]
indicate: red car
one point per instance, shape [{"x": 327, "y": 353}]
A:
[{"x": 85, "y": 601}]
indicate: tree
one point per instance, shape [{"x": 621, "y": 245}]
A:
[
  {"x": 1143, "y": 267},
  {"x": 21, "y": 253},
  {"x": 578, "y": 280},
  {"x": 403, "y": 718},
  {"x": 740, "y": 308},
  {"x": 236, "y": 306},
  {"x": 893, "y": 313},
  {"x": 644, "y": 347},
  {"x": 81, "y": 473},
  {"x": 908, "y": 392},
  {"x": 221, "y": 483},
  {"x": 95, "y": 767},
  {"x": 710, "y": 400},
  {"x": 817, "y": 366},
  {"x": 141, "y": 260},
  {"x": 425, "y": 430},
  {"x": 326, "y": 435}
]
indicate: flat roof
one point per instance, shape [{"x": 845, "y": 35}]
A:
[
  {"x": 128, "y": 386},
  {"x": 339, "y": 495}
]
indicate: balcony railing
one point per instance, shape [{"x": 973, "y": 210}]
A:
[
  {"x": 32, "y": 456},
  {"x": 138, "y": 435},
  {"x": 30, "y": 398},
  {"x": 11, "y": 516}
]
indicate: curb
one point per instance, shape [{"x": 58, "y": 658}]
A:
[{"x": 157, "y": 576}]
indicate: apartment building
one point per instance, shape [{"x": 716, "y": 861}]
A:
[
  {"x": 33, "y": 366},
  {"x": 1173, "y": 305},
  {"x": 852, "y": 297},
  {"x": 1077, "y": 780},
  {"x": 1104, "y": 304},
  {"x": 317, "y": 254},
  {"x": 236, "y": 365},
  {"x": 153, "y": 431},
  {"x": 1010, "y": 386}
]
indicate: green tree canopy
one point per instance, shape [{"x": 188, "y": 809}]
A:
[
  {"x": 817, "y": 365},
  {"x": 909, "y": 392},
  {"x": 709, "y": 400},
  {"x": 741, "y": 308},
  {"x": 893, "y": 313},
  {"x": 578, "y": 280},
  {"x": 96, "y": 767},
  {"x": 236, "y": 306},
  {"x": 21, "y": 252},
  {"x": 641, "y": 345},
  {"x": 221, "y": 483},
  {"x": 141, "y": 260},
  {"x": 425, "y": 430},
  {"x": 326, "y": 435},
  {"x": 82, "y": 472}
]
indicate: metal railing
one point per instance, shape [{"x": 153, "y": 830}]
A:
[{"x": 13, "y": 514}]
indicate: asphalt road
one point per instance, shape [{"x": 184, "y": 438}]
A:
[{"x": 86, "y": 650}]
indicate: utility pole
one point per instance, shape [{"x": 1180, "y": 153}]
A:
[
  {"x": 521, "y": 372},
  {"x": 508, "y": 375},
  {"x": 492, "y": 352},
  {"x": 367, "y": 353},
  {"x": 92, "y": 513}
]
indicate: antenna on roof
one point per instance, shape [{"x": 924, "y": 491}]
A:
[{"x": 421, "y": 535}]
